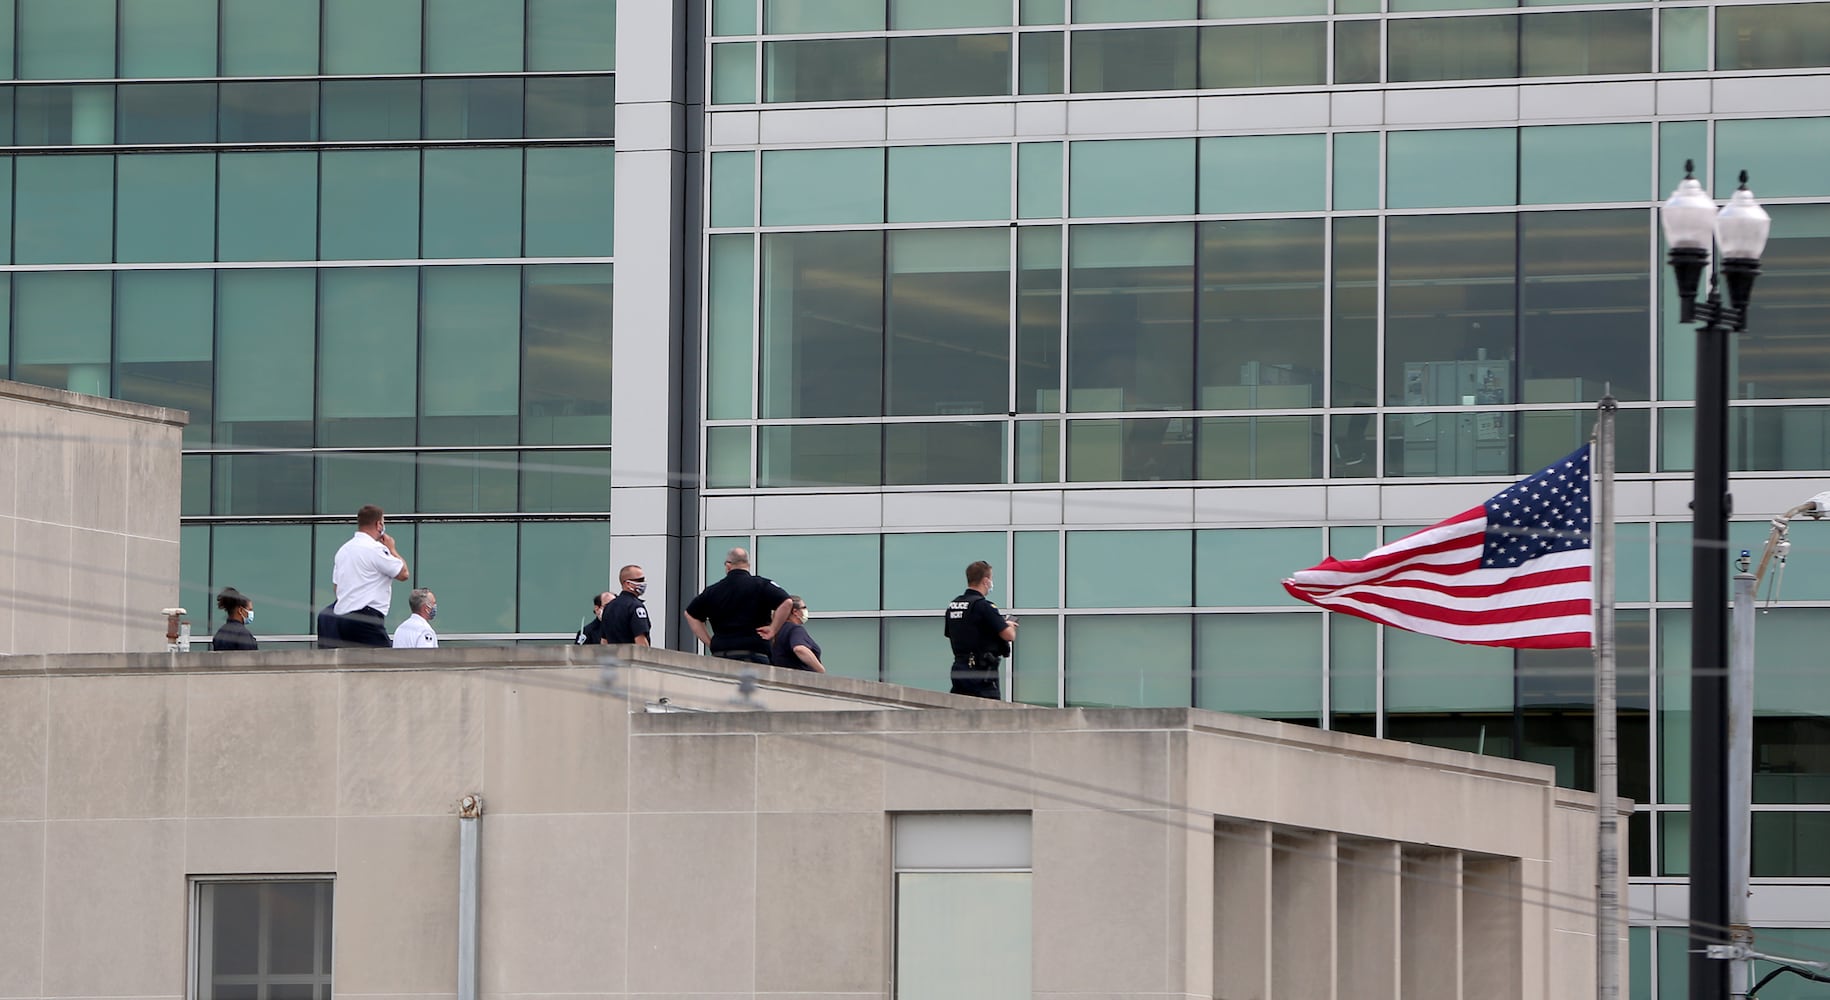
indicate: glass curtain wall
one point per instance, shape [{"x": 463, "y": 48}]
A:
[{"x": 423, "y": 325}]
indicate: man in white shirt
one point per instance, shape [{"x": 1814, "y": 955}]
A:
[
  {"x": 363, "y": 574},
  {"x": 416, "y": 632}
]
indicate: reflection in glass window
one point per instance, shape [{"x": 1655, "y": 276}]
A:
[
  {"x": 1134, "y": 59},
  {"x": 794, "y": 17},
  {"x": 570, "y": 201},
  {"x": 266, "y": 326},
  {"x": 571, "y": 481},
  {"x": 1131, "y": 319},
  {"x": 1264, "y": 55},
  {"x": 822, "y": 332},
  {"x": 571, "y": 107},
  {"x": 166, "y": 112},
  {"x": 371, "y": 36},
  {"x": 1259, "y": 448},
  {"x": 64, "y": 115},
  {"x": 1547, "y": 435},
  {"x": 559, "y": 561},
  {"x": 1038, "y": 451},
  {"x": 949, "y": 66},
  {"x": 1095, "y": 11},
  {"x": 371, "y": 109},
  {"x": 1039, "y": 319},
  {"x": 1786, "y": 351},
  {"x": 820, "y": 455},
  {"x": 802, "y": 187},
  {"x": 938, "y": 955},
  {"x": 1144, "y": 450},
  {"x": 949, "y": 322},
  {"x": 1356, "y": 51},
  {"x": 908, "y": 15},
  {"x": 836, "y": 69},
  {"x": 368, "y": 337},
  {"x": 481, "y": 108},
  {"x": 1117, "y": 177},
  {"x": 1092, "y": 557},
  {"x": 271, "y": 38},
  {"x": 61, "y": 328},
  {"x": 1564, "y": 164},
  {"x": 1439, "y": 168},
  {"x": 1261, "y": 308},
  {"x": 472, "y": 203},
  {"x": 941, "y": 454},
  {"x": 475, "y": 36},
  {"x": 734, "y": 73},
  {"x": 949, "y": 183},
  {"x": 368, "y": 204},
  {"x": 470, "y": 357},
  {"x": 1449, "y": 310},
  {"x": 63, "y": 209},
  {"x": 1585, "y": 306},
  {"x": 565, "y": 371},
  {"x": 1585, "y": 43},
  {"x": 831, "y": 572},
  {"x": 730, "y": 375},
  {"x": 475, "y": 566},
  {"x": 167, "y": 38},
  {"x": 65, "y": 39},
  {"x": 1356, "y": 316},
  {"x": 164, "y": 322},
  {"x": 1040, "y": 62},
  {"x": 1452, "y": 48},
  {"x": 1264, "y": 173},
  {"x": 269, "y": 112},
  {"x": 267, "y": 206},
  {"x": 1772, "y": 35},
  {"x": 571, "y": 35}
]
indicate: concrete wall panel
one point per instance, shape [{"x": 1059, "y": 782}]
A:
[
  {"x": 262, "y": 745},
  {"x": 117, "y": 923},
  {"x": 408, "y": 743},
  {"x": 396, "y": 904},
  {"x": 821, "y": 878},
  {"x": 117, "y": 747}
]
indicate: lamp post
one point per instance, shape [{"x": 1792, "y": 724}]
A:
[{"x": 1740, "y": 229}]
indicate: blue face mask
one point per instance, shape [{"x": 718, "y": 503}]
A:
[
  {"x": 250, "y": 619},
  {"x": 432, "y": 612}
]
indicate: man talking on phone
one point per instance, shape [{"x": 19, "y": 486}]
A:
[{"x": 364, "y": 572}]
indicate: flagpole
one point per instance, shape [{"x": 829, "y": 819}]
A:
[{"x": 1607, "y": 761}]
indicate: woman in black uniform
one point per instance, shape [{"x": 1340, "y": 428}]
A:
[{"x": 234, "y": 633}]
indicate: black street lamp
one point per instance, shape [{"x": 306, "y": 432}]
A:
[{"x": 1740, "y": 230}]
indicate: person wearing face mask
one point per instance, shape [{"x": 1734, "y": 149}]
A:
[
  {"x": 416, "y": 632},
  {"x": 792, "y": 646},
  {"x": 362, "y": 576},
  {"x": 625, "y": 618},
  {"x": 980, "y": 635},
  {"x": 234, "y": 632}
]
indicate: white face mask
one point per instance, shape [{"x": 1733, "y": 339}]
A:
[
  {"x": 806, "y": 614},
  {"x": 248, "y": 619},
  {"x": 639, "y": 588}
]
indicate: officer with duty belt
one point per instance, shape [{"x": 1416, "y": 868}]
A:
[{"x": 980, "y": 635}]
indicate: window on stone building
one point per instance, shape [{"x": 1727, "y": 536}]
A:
[
  {"x": 262, "y": 940},
  {"x": 962, "y": 905}
]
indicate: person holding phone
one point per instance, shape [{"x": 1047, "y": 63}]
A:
[{"x": 363, "y": 573}]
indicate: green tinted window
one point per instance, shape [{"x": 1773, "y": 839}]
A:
[
  {"x": 1585, "y": 42},
  {"x": 267, "y": 207},
  {"x": 848, "y": 647},
  {"x": 1356, "y": 170},
  {"x": 727, "y": 457},
  {"x": 474, "y": 36},
  {"x": 794, "y": 17},
  {"x": 733, "y": 17},
  {"x": 1221, "y": 555},
  {"x": 571, "y": 35},
  {"x": 164, "y": 325},
  {"x": 1424, "y": 674},
  {"x": 1356, "y": 51},
  {"x": 1561, "y": 164},
  {"x": 907, "y": 14},
  {"x": 1042, "y": 11},
  {"x": 472, "y": 203},
  {"x": 476, "y": 572},
  {"x": 1132, "y": 177},
  {"x": 167, "y": 207},
  {"x": 1040, "y": 62},
  {"x": 822, "y": 322},
  {"x": 565, "y": 481},
  {"x": 471, "y": 358},
  {"x": 1096, "y": 558},
  {"x": 271, "y": 565},
  {"x": 61, "y": 323},
  {"x": 734, "y": 189},
  {"x": 1353, "y": 647},
  {"x": 822, "y": 186},
  {"x": 1450, "y": 167},
  {"x": 825, "y": 69},
  {"x": 265, "y": 349},
  {"x": 571, "y": 202},
  {"x": 65, "y": 39},
  {"x": 1264, "y": 173},
  {"x": 571, "y": 107},
  {"x": 949, "y": 66},
  {"x": 1264, "y": 55},
  {"x": 371, "y": 36},
  {"x": 558, "y": 563},
  {"x": 1092, "y": 11},
  {"x": 1130, "y": 345},
  {"x": 1039, "y": 180},
  {"x": 168, "y": 38},
  {"x": 1772, "y": 36},
  {"x": 269, "y": 38},
  {"x": 731, "y": 305},
  {"x": 926, "y": 569},
  {"x": 948, "y": 330},
  {"x": 368, "y": 336},
  {"x": 64, "y": 208},
  {"x": 830, "y": 572},
  {"x": 948, "y": 183},
  {"x": 370, "y": 109},
  {"x": 565, "y": 340},
  {"x": 1039, "y": 343},
  {"x": 1258, "y": 448},
  {"x": 1263, "y": 8},
  {"x": 1104, "y": 666},
  {"x": 734, "y": 73},
  {"x": 820, "y": 455},
  {"x": 369, "y": 204},
  {"x": 1452, "y": 48},
  {"x": 1134, "y": 59},
  {"x": 1264, "y": 665},
  {"x": 1036, "y": 575},
  {"x": 1777, "y": 153},
  {"x": 1683, "y": 39}
]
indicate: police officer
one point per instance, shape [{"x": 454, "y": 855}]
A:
[
  {"x": 980, "y": 635},
  {"x": 625, "y": 618},
  {"x": 591, "y": 630},
  {"x": 744, "y": 611}
]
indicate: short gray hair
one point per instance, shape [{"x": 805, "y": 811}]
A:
[{"x": 418, "y": 599}]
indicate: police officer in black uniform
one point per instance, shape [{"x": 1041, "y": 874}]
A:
[
  {"x": 980, "y": 635},
  {"x": 744, "y": 611},
  {"x": 625, "y": 618},
  {"x": 591, "y": 633}
]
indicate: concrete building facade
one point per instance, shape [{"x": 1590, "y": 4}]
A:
[
  {"x": 88, "y": 521},
  {"x": 287, "y": 823}
]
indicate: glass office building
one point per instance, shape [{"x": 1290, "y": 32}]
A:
[{"x": 1148, "y": 302}]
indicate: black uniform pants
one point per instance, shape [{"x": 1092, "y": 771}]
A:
[
  {"x": 361, "y": 627},
  {"x": 976, "y": 677}
]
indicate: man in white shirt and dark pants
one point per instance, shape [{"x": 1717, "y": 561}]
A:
[
  {"x": 364, "y": 572},
  {"x": 416, "y": 632}
]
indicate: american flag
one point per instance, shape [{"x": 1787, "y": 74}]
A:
[{"x": 1515, "y": 571}]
